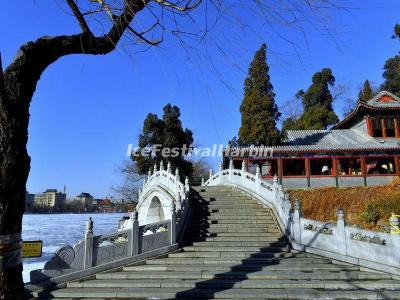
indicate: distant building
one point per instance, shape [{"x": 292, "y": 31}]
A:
[
  {"x": 50, "y": 198},
  {"x": 86, "y": 200},
  {"x": 29, "y": 201},
  {"x": 106, "y": 205}
]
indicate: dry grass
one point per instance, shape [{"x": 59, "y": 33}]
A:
[{"x": 321, "y": 204}]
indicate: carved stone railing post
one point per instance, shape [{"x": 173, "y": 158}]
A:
[
  {"x": 287, "y": 208},
  {"x": 161, "y": 166},
  {"x": 296, "y": 222},
  {"x": 202, "y": 181},
  {"x": 221, "y": 168},
  {"x": 88, "y": 259},
  {"x": 341, "y": 231},
  {"x": 134, "y": 238},
  {"x": 187, "y": 187},
  {"x": 177, "y": 181},
  {"x": 243, "y": 172},
  {"x": 257, "y": 182},
  {"x": 394, "y": 225},
  {"x": 172, "y": 232},
  {"x": 211, "y": 174},
  {"x": 275, "y": 187},
  {"x": 230, "y": 169}
]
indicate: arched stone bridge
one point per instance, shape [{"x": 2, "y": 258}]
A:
[
  {"x": 236, "y": 236},
  {"x": 160, "y": 190}
]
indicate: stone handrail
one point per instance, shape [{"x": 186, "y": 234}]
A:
[
  {"x": 165, "y": 179},
  {"x": 366, "y": 248},
  {"x": 133, "y": 241},
  {"x": 171, "y": 184}
]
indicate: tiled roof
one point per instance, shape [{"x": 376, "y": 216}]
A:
[
  {"x": 333, "y": 140},
  {"x": 376, "y": 103}
]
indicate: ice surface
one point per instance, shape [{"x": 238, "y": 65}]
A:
[{"x": 56, "y": 230}]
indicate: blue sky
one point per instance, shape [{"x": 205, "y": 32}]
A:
[{"x": 87, "y": 109}]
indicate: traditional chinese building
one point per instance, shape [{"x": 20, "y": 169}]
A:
[{"x": 362, "y": 149}]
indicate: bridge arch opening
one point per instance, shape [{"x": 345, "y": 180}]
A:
[{"x": 155, "y": 212}]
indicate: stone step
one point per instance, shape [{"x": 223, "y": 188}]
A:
[
  {"x": 233, "y": 227},
  {"x": 240, "y": 284},
  {"x": 199, "y": 221},
  {"x": 304, "y": 268},
  {"x": 221, "y": 293},
  {"x": 206, "y": 222},
  {"x": 250, "y": 249},
  {"x": 233, "y": 238},
  {"x": 243, "y": 211},
  {"x": 242, "y": 255},
  {"x": 241, "y": 233},
  {"x": 220, "y": 260},
  {"x": 242, "y": 275},
  {"x": 239, "y": 243},
  {"x": 243, "y": 218}
]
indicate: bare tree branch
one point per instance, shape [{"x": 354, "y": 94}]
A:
[
  {"x": 34, "y": 57},
  {"x": 143, "y": 38},
  {"x": 179, "y": 8},
  {"x": 77, "y": 13}
]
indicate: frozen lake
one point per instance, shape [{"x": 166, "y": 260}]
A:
[{"x": 56, "y": 230}]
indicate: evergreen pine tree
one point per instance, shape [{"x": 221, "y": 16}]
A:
[
  {"x": 391, "y": 72},
  {"x": 166, "y": 133},
  {"x": 317, "y": 103},
  {"x": 365, "y": 93},
  {"x": 259, "y": 110},
  {"x": 391, "y": 75}
]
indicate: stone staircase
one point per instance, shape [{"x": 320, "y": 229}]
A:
[{"x": 234, "y": 250}]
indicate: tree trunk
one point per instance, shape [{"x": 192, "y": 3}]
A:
[
  {"x": 14, "y": 170},
  {"x": 17, "y": 86}
]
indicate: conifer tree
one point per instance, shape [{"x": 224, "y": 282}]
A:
[
  {"x": 259, "y": 110},
  {"x": 165, "y": 133},
  {"x": 317, "y": 103},
  {"x": 391, "y": 75},
  {"x": 365, "y": 93},
  {"x": 391, "y": 72}
]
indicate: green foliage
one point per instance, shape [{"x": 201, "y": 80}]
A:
[
  {"x": 289, "y": 124},
  {"x": 391, "y": 75},
  {"x": 365, "y": 93},
  {"x": 318, "y": 94},
  {"x": 259, "y": 110},
  {"x": 317, "y": 117},
  {"x": 396, "y": 33},
  {"x": 317, "y": 104},
  {"x": 168, "y": 133},
  {"x": 371, "y": 213}
]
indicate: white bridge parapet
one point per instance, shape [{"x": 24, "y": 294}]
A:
[
  {"x": 366, "y": 248},
  {"x": 154, "y": 228},
  {"x": 161, "y": 189}
]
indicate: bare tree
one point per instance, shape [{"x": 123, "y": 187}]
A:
[
  {"x": 292, "y": 109},
  {"x": 201, "y": 168},
  {"x": 103, "y": 23},
  {"x": 131, "y": 182}
]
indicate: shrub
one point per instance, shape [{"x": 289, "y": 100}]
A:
[{"x": 371, "y": 213}]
